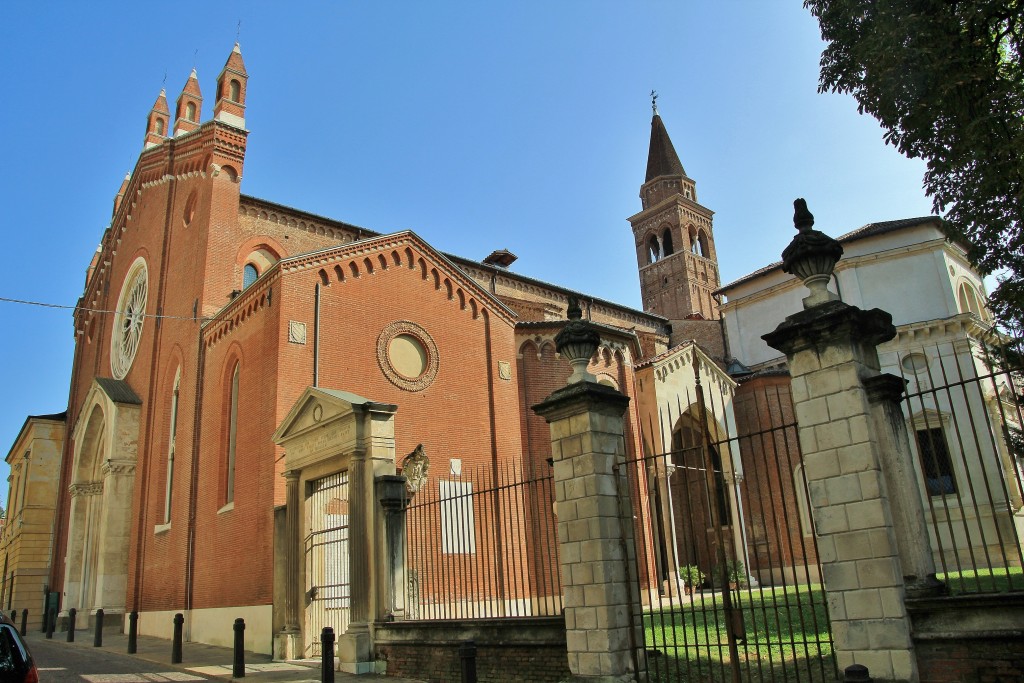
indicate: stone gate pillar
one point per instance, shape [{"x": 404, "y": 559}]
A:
[
  {"x": 861, "y": 483},
  {"x": 594, "y": 531}
]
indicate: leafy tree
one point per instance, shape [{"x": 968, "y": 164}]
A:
[{"x": 944, "y": 78}]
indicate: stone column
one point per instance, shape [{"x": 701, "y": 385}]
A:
[
  {"x": 594, "y": 518},
  {"x": 840, "y": 398},
  {"x": 289, "y": 641},
  {"x": 393, "y": 499},
  {"x": 374, "y": 456}
]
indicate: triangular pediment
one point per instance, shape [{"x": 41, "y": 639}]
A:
[
  {"x": 314, "y": 409},
  {"x": 323, "y": 423}
]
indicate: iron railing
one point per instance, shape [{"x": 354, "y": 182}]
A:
[
  {"x": 963, "y": 410},
  {"x": 728, "y": 576},
  {"x": 483, "y": 544}
]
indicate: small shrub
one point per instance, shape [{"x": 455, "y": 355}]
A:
[{"x": 691, "y": 575}]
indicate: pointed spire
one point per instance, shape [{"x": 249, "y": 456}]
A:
[
  {"x": 231, "y": 82},
  {"x": 661, "y": 158},
  {"x": 189, "y": 107},
  {"x": 121, "y": 190},
  {"x": 157, "y": 123}
]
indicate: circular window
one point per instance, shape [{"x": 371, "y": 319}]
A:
[
  {"x": 915, "y": 363},
  {"x": 128, "y": 319},
  {"x": 407, "y": 355}
]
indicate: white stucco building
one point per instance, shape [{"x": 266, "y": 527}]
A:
[{"x": 960, "y": 408}]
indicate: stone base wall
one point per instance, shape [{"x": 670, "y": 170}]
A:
[
  {"x": 510, "y": 649},
  {"x": 969, "y": 638}
]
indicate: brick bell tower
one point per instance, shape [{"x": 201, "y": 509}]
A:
[{"x": 675, "y": 244}]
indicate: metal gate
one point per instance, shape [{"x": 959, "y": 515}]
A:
[
  {"x": 728, "y": 580},
  {"x": 327, "y": 565}
]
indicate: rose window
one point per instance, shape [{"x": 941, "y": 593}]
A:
[{"x": 129, "y": 319}]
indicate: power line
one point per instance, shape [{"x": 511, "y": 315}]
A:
[{"x": 92, "y": 310}]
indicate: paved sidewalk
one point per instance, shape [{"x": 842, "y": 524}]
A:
[{"x": 208, "y": 660}]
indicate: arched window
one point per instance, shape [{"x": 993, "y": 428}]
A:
[
  {"x": 229, "y": 487},
  {"x": 969, "y": 300},
  {"x": 234, "y": 90},
  {"x": 171, "y": 445},
  {"x": 249, "y": 275},
  {"x": 159, "y": 126},
  {"x": 666, "y": 243},
  {"x": 653, "y": 249},
  {"x": 190, "y": 111}
]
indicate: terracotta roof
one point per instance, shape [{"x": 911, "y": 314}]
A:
[{"x": 869, "y": 230}]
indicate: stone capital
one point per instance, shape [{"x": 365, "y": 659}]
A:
[
  {"x": 582, "y": 397},
  {"x": 830, "y": 323},
  {"x": 86, "y": 488},
  {"x": 885, "y": 387}
]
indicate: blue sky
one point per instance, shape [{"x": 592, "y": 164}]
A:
[{"x": 479, "y": 125}]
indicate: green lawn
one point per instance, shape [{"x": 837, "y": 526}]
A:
[
  {"x": 984, "y": 580},
  {"x": 787, "y": 637}
]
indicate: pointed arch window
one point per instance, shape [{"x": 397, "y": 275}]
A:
[
  {"x": 190, "y": 111},
  {"x": 229, "y": 486},
  {"x": 171, "y": 446},
  {"x": 159, "y": 126},
  {"x": 234, "y": 90}
]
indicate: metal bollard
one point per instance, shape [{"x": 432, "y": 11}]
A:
[
  {"x": 72, "y": 613},
  {"x": 467, "y": 657},
  {"x": 133, "y": 632},
  {"x": 24, "y": 622},
  {"x": 327, "y": 655},
  {"x": 51, "y": 622},
  {"x": 97, "y": 639},
  {"x": 238, "y": 668},
  {"x": 179, "y": 619},
  {"x": 856, "y": 673}
]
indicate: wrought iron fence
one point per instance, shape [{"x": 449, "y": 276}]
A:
[
  {"x": 729, "y": 581},
  {"x": 327, "y": 566},
  {"x": 483, "y": 544},
  {"x": 963, "y": 410}
]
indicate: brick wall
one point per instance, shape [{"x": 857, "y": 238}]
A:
[
  {"x": 510, "y": 649},
  {"x": 969, "y": 638}
]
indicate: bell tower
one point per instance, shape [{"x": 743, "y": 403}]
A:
[{"x": 675, "y": 244}]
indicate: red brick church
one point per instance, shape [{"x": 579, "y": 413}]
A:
[{"x": 229, "y": 309}]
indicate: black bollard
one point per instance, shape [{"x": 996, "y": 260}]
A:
[
  {"x": 327, "y": 655},
  {"x": 97, "y": 639},
  {"x": 238, "y": 668},
  {"x": 467, "y": 657},
  {"x": 72, "y": 613},
  {"x": 51, "y": 622},
  {"x": 46, "y": 608},
  {"x": 14, "y": 616},
  {"x": 24, "y": 622},
  {"x": 133, "y": 632},
  {"x": 179, "y": 619},
  {"x": 856, "y": 673}
]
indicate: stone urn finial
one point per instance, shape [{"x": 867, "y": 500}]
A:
[
  {"x": 577, "y": 342},
  {"x": 811, "y": 256}
]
